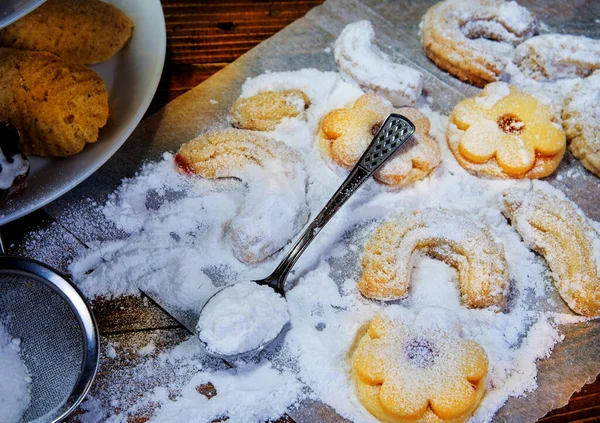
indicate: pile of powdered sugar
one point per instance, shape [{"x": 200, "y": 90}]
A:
[
  {"x": 175, "y": 244},
  {"x": 15, "y": 380}
]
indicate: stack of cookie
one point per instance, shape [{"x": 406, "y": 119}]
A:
[{"x": 54, "y": 101}]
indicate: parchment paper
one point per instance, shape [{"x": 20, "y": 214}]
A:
[{"x": 573, "y": 362}]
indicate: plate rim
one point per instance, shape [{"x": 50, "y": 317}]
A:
[{"x": 132, "y": 125}]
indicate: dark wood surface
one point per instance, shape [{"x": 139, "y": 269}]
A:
[{"x": 203, "y": 37}]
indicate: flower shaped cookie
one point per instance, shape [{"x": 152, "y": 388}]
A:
[
  {"x": 346, "y": 133},
  {"x": 506, "y": 133},
  {"x": 407, "y": 371}
]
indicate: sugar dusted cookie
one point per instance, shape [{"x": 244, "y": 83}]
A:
[
  {"x": 266, "y": 110},
  {"x": 452, "y": 29},
  {"x": 57, "y": 106},
  {"x": 570, "y": 245},
  {"x": 407, "y": 369},
  {"x": 505, "y": 133},
  {"x": 360, "y": 61},
  {"x": 346, "y": 133},
  {"x": 269, "y": 219},
  {"x": 448, "y": 235},
  {"x": 581, "y": 119},
  {"x": 553, "y": 56},
  {"x": 81, "y": 31}
]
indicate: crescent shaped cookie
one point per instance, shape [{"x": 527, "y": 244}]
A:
[
  {"x": 581, "y": 120},
  {"x": 505, "y": 133},
  {"x": 407, "y": 372},
  {"x": 450, "y": 31},
  {"x": 553, "y": 56},
  {"x": 81, "y": 31},
  {"x": 346, "y": 133},
  {"x": 447, "y": 235},
  {"x": 266, "y": 110},
  {"x": 359, "y": 60},
  {"x": 553, "y": 228},
  {"x": 266, "y": 222},
  {"x": 57, "y": 106}
]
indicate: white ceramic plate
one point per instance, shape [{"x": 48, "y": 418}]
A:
[
  {"x": 11, "y": 10},
  {"x": 131, "y": 78}
]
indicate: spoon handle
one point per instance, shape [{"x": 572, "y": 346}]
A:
[{"x": 392, "y": 134}]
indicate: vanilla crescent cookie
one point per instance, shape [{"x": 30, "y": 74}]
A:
[
  {"x": 505, "y": 133},
  {"x": 568, "y": 242},
  {"x": 407, "y": 370},
  {"x": 581, "y": 120},
  {"x": 448, "y": 235},
  {"x": 451, "y": 32},
  {"x": 268, "y": 221},
  {"x": 359, "y": 60},
  {"x": 266, "y": 110},
  {"x": 554, "y": 56},
  {"x": 346, "y": 133}
]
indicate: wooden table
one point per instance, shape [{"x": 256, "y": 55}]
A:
[{"x": 203, "y": 37}]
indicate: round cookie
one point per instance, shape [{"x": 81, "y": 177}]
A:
[
  {"x": 447, "y": 235},
  {"x": 267, "y": 221},
  {"x": 549, "y": 57},
  {"x": 406, "y": 371},
  {"x": 81, "y": 31},
  {"x": 266, "y": 110},
  {"x": 345, "y": 133},
  {"x": 581, "y": 120},
  {"x": 505, "y": 133},
  {"x": 452, "y": 33},
  {"x": 360, "y": 61},
  {"x": 571, "y": 246},
  {"x": 57, "y": 106}
]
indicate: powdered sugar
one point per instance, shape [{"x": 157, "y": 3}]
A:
[
  {"x": 15, "y": 381},
  {"x": 174, "y": 243},
  {"x": 360, "y": 61}
]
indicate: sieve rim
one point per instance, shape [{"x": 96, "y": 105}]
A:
[{"x": 85, "y": 317}]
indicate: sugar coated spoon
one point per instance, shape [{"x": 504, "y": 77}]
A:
[{"x": 242, "y": 319}]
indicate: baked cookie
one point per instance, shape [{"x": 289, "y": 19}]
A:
[
  {"x": 14, "y": 166},
  {"x": 553, "y": 56},
  {"x": 505, "y": 133},
  {"x": 346, "y": 133},
  {"x": 81, "y": 31},
  {"x": 447, "y": 235},
  {"x": 360, "y": 61},
  {"x": 57, "y": 106},
  {"x": 452, "y": 33},
  {"x": 268, "y": 220},
  {"x": 553, "y": 228},
  {"x": 408, "y": 372},
  {"x": 266, "y": 110},
  {"x": 581, "y": 120}
]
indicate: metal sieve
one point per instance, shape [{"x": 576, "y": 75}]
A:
[{"x": 59, "y": 336}]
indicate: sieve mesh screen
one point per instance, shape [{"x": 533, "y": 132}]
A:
[{"x": 52, "y": 340}]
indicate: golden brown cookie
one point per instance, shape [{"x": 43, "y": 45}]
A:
[
  {"x": 275, "y": 214},
  {"x": 505, "y": 133},
  {"x": 57, "y": 106},
  {"x": 581, "y": 120},
  {"x": 266, "y": 110},
  {"x": 448, "y": 235},
  {"x": 405, "y": 372},
  {"x": 346, "y": 133},
  {"x": 82, "y": 31},
  {"x": 451, "y": 33},
  {"x": 554, "y": 228},
  {"x": 554, "y": 56}
]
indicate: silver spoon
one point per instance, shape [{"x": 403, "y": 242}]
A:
[{"x": 392, "y": 135}]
